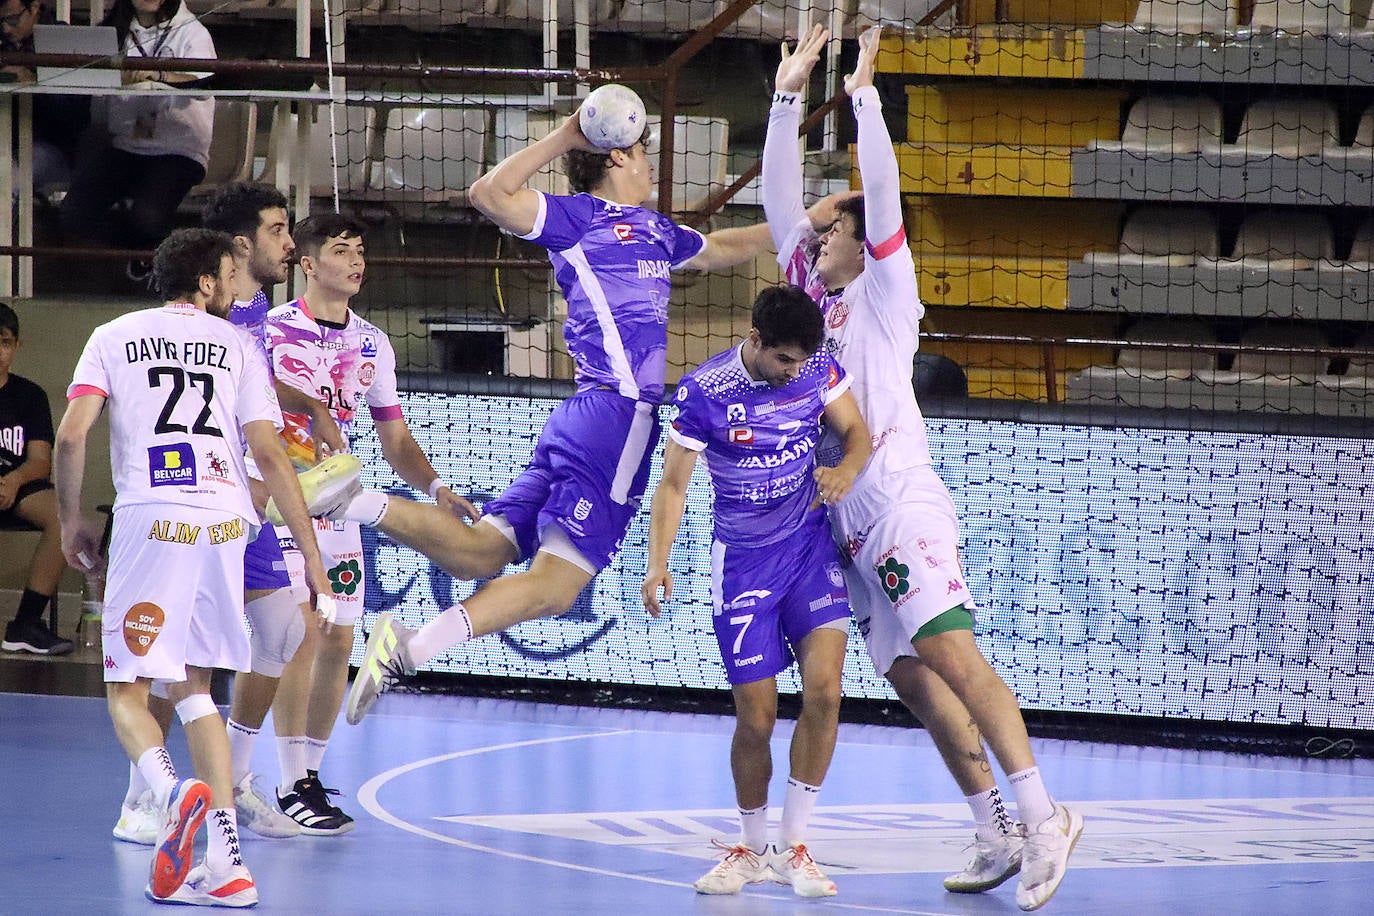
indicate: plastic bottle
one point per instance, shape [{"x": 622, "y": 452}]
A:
[{"x": 92, "y": 608}]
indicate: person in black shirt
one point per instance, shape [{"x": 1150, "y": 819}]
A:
[{"x": 26, "y": 494}]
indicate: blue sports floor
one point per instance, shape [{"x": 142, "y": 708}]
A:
[{"x": 497, "y": 807}]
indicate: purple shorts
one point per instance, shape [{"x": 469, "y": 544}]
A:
[
  {"x": 588, "y": 475},
  {"x": 767, "y": 599},
  {"x": 263, "y": 566}
]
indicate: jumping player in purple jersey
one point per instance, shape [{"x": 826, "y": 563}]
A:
[
  {"x": 898, "y": 526},
  {"x": 568, "y": 511},
  {"x": 753, "y": 413}
]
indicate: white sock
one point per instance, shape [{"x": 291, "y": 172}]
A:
[
  {"x": 291, "y": 758},
  {"x": 367, "y": 508},
  {"x": 753, "y": 827},
  {"x": 137, "y": 785},
  {"x": 796, "y": 811},
  {"x": 314, "y": 752},
  {"x": 222, "y": 840},
  {"x": 156, "y": 767},
  {"x": 241, "y": 740},
  {"x": 443, "y": 632},
  {"x": 990, "y": 816},
  {"x": 1033, "y": 805}
]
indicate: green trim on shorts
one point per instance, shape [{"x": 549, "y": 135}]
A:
[{"x": 956, "y": 618}]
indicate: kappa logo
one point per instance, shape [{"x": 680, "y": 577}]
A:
[
  {"x": 954, "y": 586},
  {"x": 624, "y": 232},
  {"x": 741, "y": 435},
  {"x": 582, "y": 510},
  {"x": 110, "y": 663},
  {"x": 734, "y": 414}
]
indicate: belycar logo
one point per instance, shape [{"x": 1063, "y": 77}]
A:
[{"x": 171, "y": 465}]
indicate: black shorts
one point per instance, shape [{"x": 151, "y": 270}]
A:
[{"x": 10, "y": 518}]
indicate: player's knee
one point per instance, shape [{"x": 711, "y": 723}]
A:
[
  {"x": 755, "y": 724},
  {"x": 822, "y": 700},
  {"x": 278, "y": 631}
]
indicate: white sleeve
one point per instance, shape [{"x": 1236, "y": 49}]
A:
[
  {"x": 782, "y": 171},
  {"x": 887, "y": 258},
  {"x": 256, "y": 398}
]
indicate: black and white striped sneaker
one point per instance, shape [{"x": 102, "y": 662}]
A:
[{"x": 308, "y": 805}]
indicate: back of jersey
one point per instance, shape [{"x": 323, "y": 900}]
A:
[{"x": 179, "y": 384}]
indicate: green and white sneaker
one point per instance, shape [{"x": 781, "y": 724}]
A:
[
  {"x": 327, "y": 487},
  {"x": 385, "y": 662}
]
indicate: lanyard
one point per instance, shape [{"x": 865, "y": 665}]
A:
[{"x": 163, "y": 33}]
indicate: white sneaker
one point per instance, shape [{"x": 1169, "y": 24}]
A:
[
  {"x": 385, "y": 661},
  {"x": 740, "y": 866},
  {"x": 232, "y": 887},
  {"x": 993, "y": 862},
  {"x": 1045, "y": 857},
  {"x": 327, "y": 487},
  {"x": 139, "y": 823},
  {"x": 260, "y": 815},
  {"x": 793, "y": 865}
]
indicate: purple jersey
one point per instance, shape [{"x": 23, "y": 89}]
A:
[
  {"x": 612, "y": 263},
  {"x": 252, "y": 317},
  {"x": 759, "y": 442}
]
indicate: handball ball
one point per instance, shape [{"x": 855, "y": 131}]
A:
[{"x": 612, "y": 117}]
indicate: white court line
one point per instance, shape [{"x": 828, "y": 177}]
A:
[{"x": 367, "y": 796}]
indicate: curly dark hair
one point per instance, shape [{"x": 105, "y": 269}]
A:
[
  {"x": 586, "y": 169},
  {"x": 187, "y": 255}
]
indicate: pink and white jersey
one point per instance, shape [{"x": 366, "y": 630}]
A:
[
  {"x": 872, "y": 325},
  {"x": 179, "y": 385},
  {"x": 341, "y": 366}
]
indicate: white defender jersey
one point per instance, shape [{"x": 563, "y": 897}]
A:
[
  {"x": 872, "y": 325},
  {"x": 179, "y": 383}
]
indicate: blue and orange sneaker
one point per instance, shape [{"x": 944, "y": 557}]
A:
[{"x": 176, "y": 840}]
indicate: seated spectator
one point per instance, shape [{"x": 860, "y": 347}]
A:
[
  {"x": 159, "y": 143},
  {"x": 26, "y": 494},
  {"x": 58, "y": 120}
]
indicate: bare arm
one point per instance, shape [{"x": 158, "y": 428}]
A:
[
  {"x": 408, "y": 460},
  {"x": 669, "y": 500},
  {"x": 80, "y": 545},
  {"x": 281, "y": 481},
  {"x": 501, "y": 194},
  {"x": 728, "y": 247},
  {"x": 843, "y": 417}
]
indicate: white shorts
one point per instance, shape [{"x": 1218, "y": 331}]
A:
[
  {"x": 903, "y": 535},
  {"x": 341, "y": 549},
  {"x": 174, "y": 592}
]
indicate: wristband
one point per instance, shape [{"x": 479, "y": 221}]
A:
[
  {"x": 788, "y": 99},
  {"x": 435, "y": 486}
]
